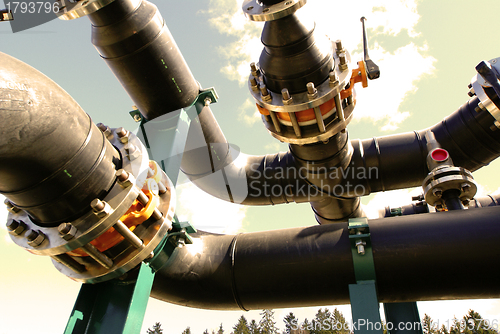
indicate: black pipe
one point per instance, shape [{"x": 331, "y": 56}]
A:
[
  {"x": 221, "y": 170},
  {"x": 292, "y": 40},
  {"x": 132, "y": 38},
  {"x": 377, "y": 164},
  {"x": 481, "y": 202},
  {"x": 452, "y": 200},
  {"x": 400, "y": 160},
  {"x": 313, "y": 266},
  {"x": 53, "y": 160}
]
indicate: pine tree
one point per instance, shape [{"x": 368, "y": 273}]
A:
[
  {"x": 254, "y": 327},
  {"x": 322, "y": 323},
  {"x": 291, "y": 323},
  {"x": 340, "y": 325},
  {"x": 306, "y": 325},
  {"x": 428, "y": 325},
  {"x": 187, "y": 330},
  {"x": 156, "y": 329},
  {"x": 267, "y": 325},
  {"x": 455, "y": 327},
  {"x": 221, "y": 330},
  {"x": 206, "y": 331},
  {"x": 443, "y": 330},
  {"x": 241, "y": 326},
  {"x": 475, "y": 324}
]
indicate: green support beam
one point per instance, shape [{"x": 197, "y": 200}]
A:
[
  {"x": 112, "y": 307},
  {"x": 118, "y": 306},
  {"x": 363, "y": 294},
  {"x": 403, "y": 318}
]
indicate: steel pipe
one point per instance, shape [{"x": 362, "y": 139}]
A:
[
  {"x": 388, "y": 163},
  {"x": 133, "y": 39},
  {"x": 54, "y": 160},
  {"x": 313, "y": 266}
]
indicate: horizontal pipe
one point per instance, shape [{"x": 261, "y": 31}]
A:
[
  {"x": 313, "y": 266},
  {"x": 400, "y": 160},
  {"x": 377, "y": 164},
  {"x": 221, "y": 170}
]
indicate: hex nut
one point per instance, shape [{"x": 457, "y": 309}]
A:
[
  {"x": 67, "y": 231},
  {"x": 437, "y": 192},
  {"x": 16, "y": 227},
  {"x": 342, "y": 62},
  {"x": 101, "y": 208},
  {"x": 124, "y": 178},
  {"x": 132, "y": 151},
  {"x": 35, "y": 238},
  {"x": 11, "y": 207},
  {"x": 122, "y": 134}
]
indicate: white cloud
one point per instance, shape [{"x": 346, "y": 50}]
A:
[
  {"x": 248, "y": 107},
  {"x": 394, "y": 87},
  {"x": 386, "y": 18},
  {"x": 208, "y": 213}
]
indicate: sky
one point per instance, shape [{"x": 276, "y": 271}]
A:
[{"x": 426, "y": 50}]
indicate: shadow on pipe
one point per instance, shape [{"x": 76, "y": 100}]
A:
[{"x": 416, "y": 257}]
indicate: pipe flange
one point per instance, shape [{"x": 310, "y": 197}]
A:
[
  {"x": 310, "y": 134},
  {"x": 479, "y": 84},
  {"x": 310, "y": 116},
  {"x": 258, "y": 12},
  {"x": 446, "y": 178},
  {"x": 301, "y": 101},
  {"x": 79, "y": 8},
  {"x": 91, "y": 225}
]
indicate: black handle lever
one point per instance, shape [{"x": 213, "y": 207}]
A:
[
  {"x": 6, "y": 15},
  {"x": 372, "y": 70}
]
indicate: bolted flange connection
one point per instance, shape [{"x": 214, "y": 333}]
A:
[
  {"x": 256, "y": 11},
  {"x": 445, "y": 181},
  {"x": 312, "y": 100},
  {"x": 486, "y": 86},
  {"x": 446, "y": 178},
  {"x": 116, "y": 233},
  {"x": 314, "y": 115}
]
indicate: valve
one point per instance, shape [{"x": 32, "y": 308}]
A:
[
  {"x": 6, "y": 15},
  {"x": 372, "y": 70},
  {"x": 446, "y": 187},
  {"x": 313, "y": 100},
  {"x": 486, "y": 87}
]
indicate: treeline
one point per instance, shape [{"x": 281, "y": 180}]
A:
[{"x": 334, "y": 322}]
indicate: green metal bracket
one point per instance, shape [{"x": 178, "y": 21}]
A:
[
  {"x": 403, "y": 318},
  {"x": 171, "y": 128},
  {"x": 363, "y": 294},
  {"x": 178, "y": 236},
  {"x": 118, "y": 306},
  {"x": 396, "y": 212},
  {"x": 206, "y": 96},
  {"x": 112, "y": 307}
]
